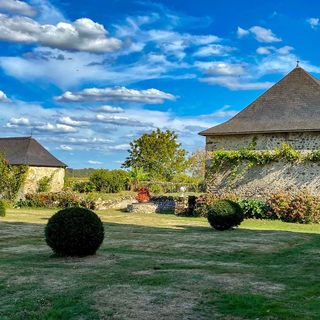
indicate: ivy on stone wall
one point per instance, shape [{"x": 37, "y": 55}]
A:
[
  {"x": 238, "y": 162},
  {"x": 11, "y": 179}
]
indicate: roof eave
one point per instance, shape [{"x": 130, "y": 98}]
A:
[{"x": 206, "y": 134}]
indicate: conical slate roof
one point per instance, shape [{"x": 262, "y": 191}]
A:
[
  {"x": 27, "y": 151},
  {"x": 291, "y": 105}
]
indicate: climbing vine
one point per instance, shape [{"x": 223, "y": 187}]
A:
[
  {"x": 242, "y": 160},
  {"x": 11, "y": 178}
]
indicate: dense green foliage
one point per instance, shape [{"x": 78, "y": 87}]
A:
[
  {"x": 207, "y": 199},
  {"x": 255, "y": 209},
  {"x": 79, "y": 173},
  {"x": 2, "y": 209},
  {"x": 12, "y": 178},
  {"x": 74, "y": 232},
  {"x": 110, "y": 181},
  {"x": 135, "y": 176},
  {"x": 225, "y": 214},
  {"x": 197, "y": 164},
  {"x": 44, "y": 184},
  {"x": 240, "y": 161},
  {"x": 83, "y": 186},
  {"x": 55, "y": 200},
  {"x": 159, "y": 154}
]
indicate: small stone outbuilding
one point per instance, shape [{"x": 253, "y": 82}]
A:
[
  {"x": 289, "y": 112},
  {"x": 41, "y": 163}
]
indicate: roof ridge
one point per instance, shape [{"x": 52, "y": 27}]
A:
[{"x": 27, "y": 150}]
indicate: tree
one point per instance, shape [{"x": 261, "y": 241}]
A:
[
  {"x": 159, "y": 155},
  {"x": 136, "y": 175},
  {"x": 197, "y": 164},
  {"x": 11, "y": 178}
]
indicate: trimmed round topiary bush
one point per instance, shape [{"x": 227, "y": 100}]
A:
[
  {"x": 2, "y": 209},
  {"x": 74, "y": 232},
  {"x": 225, "y": 214}
]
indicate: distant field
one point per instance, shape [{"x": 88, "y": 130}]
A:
[{"x": 161, "y": 267}]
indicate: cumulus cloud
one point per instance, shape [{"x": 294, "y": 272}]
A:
[
  {"x": 71, "y": 122},
  {"x": 3, "y": 97},
  {"x": 81, "y": 35},
  {"x": 264, "y": 35},
  {"x": 55, "y": 128},
  {"x": 261, "y": 34},
  {"x": 149, "y": 96},
  {"x": 313, "y": 22},
  {"x": 17, "y": 122},
  {"x": 18, "y": 7}
]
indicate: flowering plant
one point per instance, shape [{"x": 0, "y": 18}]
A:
[{"x": 143, "y": 195}]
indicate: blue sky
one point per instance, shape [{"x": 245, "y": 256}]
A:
[{"x": 87, "y": 77}]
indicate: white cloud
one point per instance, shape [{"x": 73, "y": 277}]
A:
[
  {"x": 242, "y": 32},
  {"x": 220, "y": 68},
  {"x": 264, "y": 35},
  {"x": 268, "y": 50},
  {"x": 57, "y": 128},
  {"x": 149, "y": 96},
  {"x": 94, "y": 162},
  {"x": 214, "y": 50},
  {"x": 222, "y": 113},
  {"x": 18, "y": 7},
  {"x": 284, "y": 50},
  {"x": 122, "y": 121},
  {"x": 65, "y": 69},
  {"x": 264, "y": 50},
  {"x": 234, "y": 83},
  {"x": 47, "y": 12},
  {"x": 120, "y": 147},
  {"x": 65, "y": 147},
  {"x": 3, "y": 97},
  {"x": 17, "y": 122},
  {"x": 73, "y": 123},
  {"x": 313, "y": 22},
  {"x": 277, "y": 63},
  {"x": 109, "y": 109},
  {"x": 81, "y": 35}
]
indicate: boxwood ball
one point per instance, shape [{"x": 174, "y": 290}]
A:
[
  {"x": 74, "y": 232},
  {"x": 225, "y": 214}
]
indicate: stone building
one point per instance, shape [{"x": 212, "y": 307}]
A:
[
  {"x": 41, "y": 163},
  {"x": 289, "y": 112}
]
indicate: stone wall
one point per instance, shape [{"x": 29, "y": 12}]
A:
[
  {"x": 299, "y": 140},
  {"x": 34, "y": 174},
  {"x": 261, "y": 181}
]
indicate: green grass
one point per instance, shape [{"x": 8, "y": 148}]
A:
[{"x": 161, "y": 267}]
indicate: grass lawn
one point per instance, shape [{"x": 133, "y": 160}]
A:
[{"x": 161, "y": 267}]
